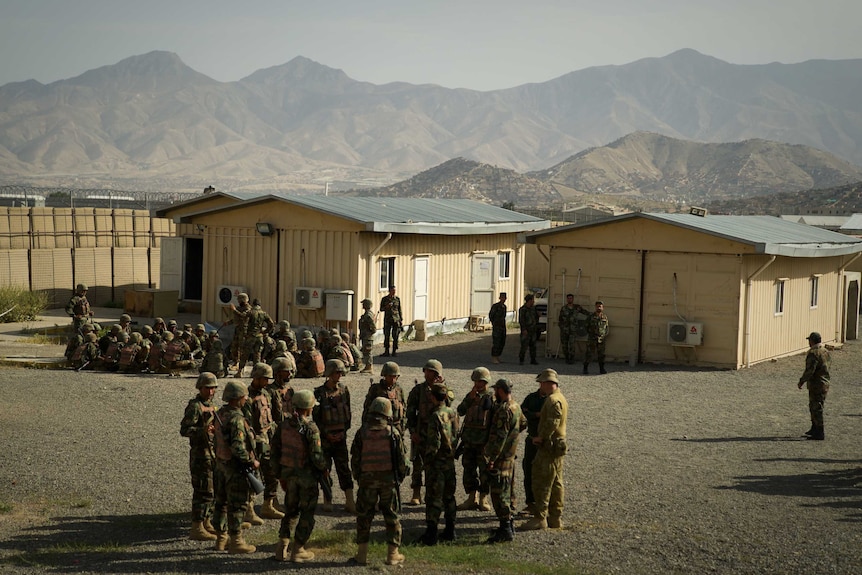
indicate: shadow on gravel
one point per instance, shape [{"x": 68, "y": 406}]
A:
[{"x": 736, "y": 439}]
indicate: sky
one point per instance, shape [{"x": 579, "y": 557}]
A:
[{"x": 476, "y": 44}]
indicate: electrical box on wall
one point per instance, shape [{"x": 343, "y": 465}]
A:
[{"x": 339, "y": 305}]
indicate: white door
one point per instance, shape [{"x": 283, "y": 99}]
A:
[
  {"x": 171, "y": 264},
  {"x": 482, "y": 285},
  {"x": 420, "y": 288}
]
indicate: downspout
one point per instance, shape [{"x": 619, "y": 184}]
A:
[
  {"x": 839, "y": 309},
  {"x": 747, "y": 349},
  {"x": 370, "y": 264}
]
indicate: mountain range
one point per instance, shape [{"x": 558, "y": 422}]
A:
[{"x": 151, "y": 118}]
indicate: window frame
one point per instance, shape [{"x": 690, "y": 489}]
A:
[
  {"x": 814, "y": 299},
  {"x": 780, "y": 294},
  {"x": 385, "y": 273},
  {"x": 504, "y": 260}
]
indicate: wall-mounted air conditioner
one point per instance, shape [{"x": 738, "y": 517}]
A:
[
  {"x": 226, "y": 295},
  {"x": 685, "y": 333},
  {"x": 308, "y": 297}
]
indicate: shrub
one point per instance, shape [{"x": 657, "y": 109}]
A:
[{"x": 25, "y": 305}]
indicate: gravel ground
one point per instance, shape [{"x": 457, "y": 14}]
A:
[{"x": 669, "y": 471}]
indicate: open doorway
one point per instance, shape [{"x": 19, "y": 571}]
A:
[{"x": 194, "y": 269}]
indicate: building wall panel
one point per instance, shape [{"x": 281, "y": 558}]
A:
[
  {"x": 63, "y": 228},
  {"x": 52, "y": 270},
  {"x": 19, "y": 228},
  {"x": 84, "y": 225},
  {"x": 123, "y": 226},
  {"x": 43, "y": 228},
  {"x": 14, "y": 268}
]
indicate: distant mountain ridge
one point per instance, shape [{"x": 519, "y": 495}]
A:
[{"x": 151, "y": 116}]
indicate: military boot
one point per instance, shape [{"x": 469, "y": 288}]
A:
[
  {"x": 449, "y": 531},
  {"x": 385, "y": 353},
  {"x": 367, "y": 369},
  {"x": 327, "y": 506},
  {"x": 504, "y": 533},
  {"x": 250, "y": 516},
  {"x": 208, "y": 525},
  {"x": 430, "y": 536},
  {"x": 469, "y": 503},
  {"x": 361, "y": 557},
  {"x": 586, "y": 368},
  {"x": 483, "y": 502},
  {"x": 281, "y": 549},
  {"x": 534, "y": 524},
  {"x": 393, "y": 557},
  {"x": 198, "y": 533},
  {"x": 349, "y": 503},
  {"x": 810, "y": 432},
  {"x": 268, "y": 510},
  {"x": 555, "y": 522},
  {"x": 237, "y": 545},
  {"x": 298, "y": 554},
  {"x": 818, "y": 434},
  {"x": 416, "y": 499},
  {"x": 221, "y": 541},
  {"x": 602, "y": 369}
]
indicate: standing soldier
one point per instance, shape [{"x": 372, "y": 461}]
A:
[
  {"x": 531, "y": 407},
  {"x": 280, "y": 391},
  {"x": 379, "y": 461},
  {"x": 548, "y": 464},
  {"x": 440, "y": 438},
  {"x": 419, "y": 408},
  {"x": 528, "y": 319},
  {"x": 816, "y": 375},
  {"x": 507, "y": 424},
  {"x": 332, "y": 415},
  {"x": 497, "y": 316},
  {"x": 79, "y": 308},
  {"x": 597, "y": 332},
  {"x": 198, "y": 425},
  {"x": 297, "y": 457},
  {"x": 239, "y": 319},
  {"x": 389, "y": 388},
  {"x": 476, "y": 410},
  {"x": 390, "y": 305},
  {"x": 257, "y": 322},
  {"x": 567, "y": 321},
  {"x": 234, "y": 451},
  {"x": 367, "y": 329},
  {"x": 259, "y": 415}
]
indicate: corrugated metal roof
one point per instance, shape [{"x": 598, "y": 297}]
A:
[
  {"x": 853, "y": 223},
  {"x": 240, "y": 196},
  {"x": 816, "y": 220}
]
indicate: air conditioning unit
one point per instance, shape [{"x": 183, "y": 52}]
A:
[
  {"x": 308, "y": 297},
  {"x": 685, "y": 333},
  {"x": 226, "y": 295}
]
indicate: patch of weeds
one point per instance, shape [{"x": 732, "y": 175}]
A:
[
  {"x": 80, "y": 503},
  {"x": 41, "y": 339},
  {"x": 6, "y": 507},
  {"x": 84, "y": 547}
]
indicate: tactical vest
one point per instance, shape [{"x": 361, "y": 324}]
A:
[
  {"x": 155, "y": 360},
  {"x": 319, "y": 365},
  {"x": 128, "y": 354},
  {"x": 112, "y": 354},
  {"x": 334, "y": 410},
  {"x": 263, "y": 422},
  {"x": 348, "y": 355},
  {"x": 173, "y": 351},
  {"x": 376, "y": 450},
  {"x": 82, "y": 306},
  {"x": 425, "y": 405},
  {"x": 222, "y": 448},
  {"x": 79, "y": 352},
  {"x": 478, "y": 414},
  {"x": 294, "y": 452},
  {"x": 207, "y": 417}
]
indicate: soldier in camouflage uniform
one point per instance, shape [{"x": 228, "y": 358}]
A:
[
  {"x": 419, "y": 408},
  {"x": 475, "y": 409},
  {"x": 597, "y": 331},
  {"x": 198, "y": 425},
  {"x": 285, "y": 334},
  {"x": 816, "y": 376},
  {"x": 258, "y": 413},
  {"x": 239, "y": 319},
  {"x": 258, "y": 322},
  {"x": 281, "y": 393},
  {"x": 310, "y": 362},
  {"x": 390, "y": 305},
  {"x": 77, "y": 340},
  {"x": 567, "y": 321},
  {"x": 440, "y": 437},
  {"x": 497, "y": 316},
  {"x": 214, "y": 359},
  {"x": 126, "y": 323},
  {"x": 528, "y": 319},
  {"x": 379, "y": 460},
  {"x": 389, "y": 388},
  {"x": 86, "y": 354},
  {"x": 79, "y": 308},
  {"x": 367, "y": 329},
  {"x": 336, "y": 350},
  {"x": 234, "y": 451},
  {"x": 548, "y": 464},
  {"x": 333, "y": 417},
  {"x": 355, "y": 353},
  {"x": 297, "y": 457},
  {"x": 507, "y": 423},
  {"x": 129, "y": 362},
  {"x": 531, "y": 407}
]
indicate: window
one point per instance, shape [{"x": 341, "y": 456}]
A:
[
  {"x": 815, "y": 290},
  {"x": 387, "y": 273},
  {"x": 504, "y": 260},
  {"x": 779, "y": 296}
]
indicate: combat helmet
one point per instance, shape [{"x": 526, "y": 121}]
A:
[
  {"x": 281, "y": 364},
  {"x": 206, "y": 379},
  {"x": 125, "y": 318},
  {"x": 481, "y": 374},
  {"x": 303, "y": 399},
  {"x": 81, "y": 287},
  {"x": 334, "y": 365},
  {"x": 306, "y": 334},
  {"x": 434, "y": 365},
  {"x": 242, "y": 298},
  {"x": 390, "y": 368},
  {"x": 261, "y": 370},
  {"x": 234, "y": 390},
  {"x": 381, "y": 406}
]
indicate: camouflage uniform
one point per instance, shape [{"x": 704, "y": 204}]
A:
[
  {"x": 86, "y": 353},
  {"x": 258, "y": 413},
  {"x": 390, "y": 305},
  {"x": 548, "y": 465},
  {"x": 568, "y": 325},
  {"x": 195, "y": 425},
  {"x": 418, "y": 410},
  {"x": 310, "y": 362},
  {"x": 395, "y": 395},
  {"x": 258, "y": 321},
  {"x": 333, "y": 418},
  {"x": 528, "y": 319},
  {"x": 440, "y": 437},
  {"x": 240, "y": 320},
  {"x": 497, "y": 315},
  {"x": 129, "y": 356},
  {"x": 79, "y": 308},
  {"x": 476, "y": 410},
  {"x": 234, "y": 447},
  {"x": 597, "y": 330},
  {"x": 816, "y": 376},
  {"x": 214, "y": 359},
  {"x": 297, "y": 457},
  {"x": 367, "y": 329},
  {"x": 531, "y": 407},
  {"x": 506, "y": 425}
]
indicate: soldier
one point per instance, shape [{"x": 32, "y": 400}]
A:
[
  {"x": 332, "y": 415},
  {"x": 126, "y": 323},
  {"x": 350, "y": 346},
  {"x": 548, "y": 464},
  {"x": 389, "y": 388},
  {"x": 476, "y": 410},
  {"x": 258, "y": 413},
  {"x": 367, "y": 329},
  {"x": 77, "y": 340},
  {"x": 379, "y": 461},
  {"x": 198, "y": 425},
  {"x": 239, "y": 319},
  {"x": 498, "y": 315},
  {"x": 78, "y": 307},
  {"x": 109, "y": 360},
  {"x": 283, "y": 370},
  {"x": 440, "y": 437},
  {"x": 336, "y": 350},
  {"x": 157, "y": 350},
  {"x": 86, "y": 354},
  {"x": 816, "y": 376},
  {"x": 528, "y": 319},
  {"x": 419, "y": 408},
  {"x": 195, "y": 348},
  {"x": 285, "y": 334},
  {"x": 258, "y": 322},
  {"x": 310, "y": 362},
  {"x": 159, "y": 326},
  {"x": 111, "y": 337},
  {"x": 297, "y": 458},
  {"x": 531, "y": 407},
  {"x": 234, "y": 451},
  {"x": 567, "y": 321},
  {"x": 129, "y": 362},
  {"x": 507, "y": 423},
  {"x": 390, "y": 305},
  {"x": 200, "y": 332},
  {"x": 597, "y": 332},
  {"x": 214, "y": 359},
  {"x": 176, "y": 356}
]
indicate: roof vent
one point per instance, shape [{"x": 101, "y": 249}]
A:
[{"x": 695, "y": 211}]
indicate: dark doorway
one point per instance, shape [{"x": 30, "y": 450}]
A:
[{"x": 194, "y": 272}]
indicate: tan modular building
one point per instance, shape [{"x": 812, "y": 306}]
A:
[
  {"x": 723, "y": 291},
  {"x": 312, "y": 259}
]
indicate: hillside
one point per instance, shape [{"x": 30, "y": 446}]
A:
[{"x": 840, "y": 200}]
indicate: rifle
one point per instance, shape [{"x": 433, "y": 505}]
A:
[
  {"x": 83, "y": 365},
  {"x": 246, "y": 469},
  {"x": 322, "y": 477}
]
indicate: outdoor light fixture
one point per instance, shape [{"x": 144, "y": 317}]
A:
[{"x": 265, "y": 229}]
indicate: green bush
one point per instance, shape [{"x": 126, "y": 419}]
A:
[{"x": 27, "y": 304}]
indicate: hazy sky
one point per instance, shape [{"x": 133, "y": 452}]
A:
[{"x": 479, "y": 44}]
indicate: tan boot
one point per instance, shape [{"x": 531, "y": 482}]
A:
[
  {"x": 298, "y": 554},
  {"x": 268, "y": 510},
  {"x": 251, "y": 516},
  {"x": 208, "y": 525},
  {"x": 281, "y": 549},
  {"x": 221, "y": 541},
  {"x": 198, "y": 533},
  {"x": 349, "y": 503},
  {"x": 237, "y": 545},
  {"x": 361, "y": 557},
  {"x": 327, "y": 506},
  {"x": 469, "y": 503},
  {"x": 483, "y": 502},
  {"x": 416, "y": 499},
  {"x": 534, "y": 524},
  {"x": 393, "y": 557},
  {"x": 245, "y": 525},
  {"x": 555, "y": 522}
]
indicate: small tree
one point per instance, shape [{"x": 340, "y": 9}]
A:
[{"x": 20, "y": 304}]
